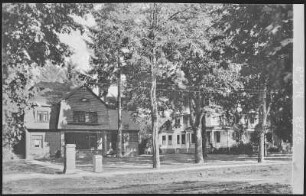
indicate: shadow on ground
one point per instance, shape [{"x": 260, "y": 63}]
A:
[
  {"x": 127, "y": 163},
  {"x": 23, "y": 166}
]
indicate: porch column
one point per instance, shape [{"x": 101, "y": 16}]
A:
[
  {"x": 27, "y": 145},
  {"x": 62, "y": 144},
  {"x": 104, "y": 143},
  {"x": 212, "y": 138}
]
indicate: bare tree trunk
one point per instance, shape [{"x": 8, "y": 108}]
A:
[
  {"x": 261, "y": 150},
  {"x": 119, "y": 133},
  {"x": 198, "y": 143},
  {"x": 198, "y": 146},
  {"x": 156, "y": 160},
  {"x": 204, "y": 137},
  {"x": 195, "y": 123}
]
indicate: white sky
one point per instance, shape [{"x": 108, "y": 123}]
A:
[
  {"x": 76, "y": 41},
  {"x": 82, "y": 53}
]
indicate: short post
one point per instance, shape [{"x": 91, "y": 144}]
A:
[
  {"x": 69, "y": 166},
  {"x": 97, "y": 163}
]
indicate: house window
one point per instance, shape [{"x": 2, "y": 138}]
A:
[
  {"x": 185, "y": 120},
  {"x": 85, "y": 117},
  {"x": 177, "y": 123},
  {"x": 37, "y": 141},
  {"x": 192, "y": 138},
  {"x": 183, "y": 138},
  {"x": 178, "y": 139},
  {"x": 163, "y": 140},
  {"x": 208, "y": 137},
  {"x": 188, "y": 138},
  {"x": 221, "y": 120},
  {"x": 217, "y": 136},
  {"x": 169, "y": 139},
  {"x": 42, "y": 116},
  {"x": 78, "y": 116}
]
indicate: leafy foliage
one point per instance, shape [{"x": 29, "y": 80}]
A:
[
  {"x": 30, "y": 37},
  {"x": 261, "y": 40}
]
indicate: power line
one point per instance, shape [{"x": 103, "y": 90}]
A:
[
  {"x": 243, "y": 89},
  {"x": 235, "y": 91},
  {"x": 198, "y": 91}
]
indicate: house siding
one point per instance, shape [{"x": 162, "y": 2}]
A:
[
  {"x": 51, "y": 136},
  {"x": 31, "y": 121},
  {"x": 213, "y": 125},
  {"x": 50, "y": 144},
  {"x": 74, "y": 103}
]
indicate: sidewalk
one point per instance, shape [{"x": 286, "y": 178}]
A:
[{"x": 145, "y": 170}]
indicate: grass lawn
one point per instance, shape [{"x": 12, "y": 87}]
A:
[
  {"x": 25, "y": 167},
  {"x": 227, "y": 180}
]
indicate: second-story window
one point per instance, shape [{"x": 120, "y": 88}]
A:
[
  {"x": 42, "y": 116},
  {"x": 177, "y": 123},
  {"x": 185, "y": 120},
  {"x": 85, "y": 117},
  {"x": 169, "y": 139},
  {"x": 163, "y": 140},
  {"x": 78, "y": 116}
]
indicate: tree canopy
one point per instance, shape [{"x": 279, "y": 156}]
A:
[{"x": 30, "y": 38}]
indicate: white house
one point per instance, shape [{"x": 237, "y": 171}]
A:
[{"x": 177, "y": 136}]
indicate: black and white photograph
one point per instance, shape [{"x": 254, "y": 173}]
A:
[{"x": 152, "y": 98}]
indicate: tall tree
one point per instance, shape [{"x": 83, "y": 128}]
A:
[
  {"x": 206, "y": 74},
  {"x": 172, "y": 46},
  {"x": 144, "y": 29},
  {"x": 184, "y": 59},
  {"x": 110, "y": 39},
  {"x": 261, "y": 39}
]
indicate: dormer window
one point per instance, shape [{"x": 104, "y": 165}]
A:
[
  {"x": 185, "y": 120},
  {"x": 177, "y": 123},
  {"x": 42, "y": 116}
]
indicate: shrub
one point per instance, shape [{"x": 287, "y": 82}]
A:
[
  {"x": 8, "y": 154},
  {"x": 242, "y": 148},
  {"x": 220, "y": 151},
  {"x": 239, "y": 148},
  {"x": 273, "y": 149}
]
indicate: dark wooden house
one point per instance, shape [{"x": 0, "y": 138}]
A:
[{"x": 80, "y": 118}]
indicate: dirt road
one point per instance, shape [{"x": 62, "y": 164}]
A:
[{"x": 256, "y": 179}]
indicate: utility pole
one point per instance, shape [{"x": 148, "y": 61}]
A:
[
  {"x": 119, "y": 133},
  {"x": 263, "y": 121},
  {"x": 156, "y": 160}
]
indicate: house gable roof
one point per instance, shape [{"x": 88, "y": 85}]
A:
[{"x": 88, "y": 89}]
